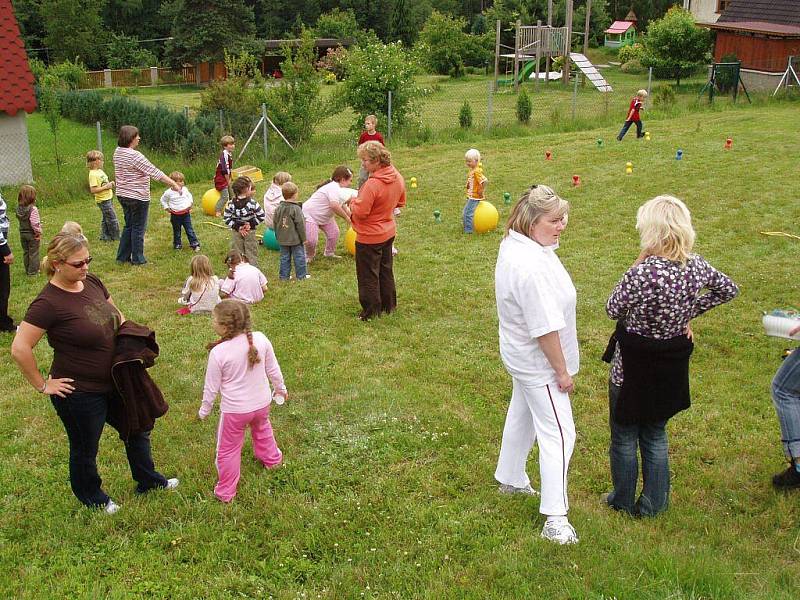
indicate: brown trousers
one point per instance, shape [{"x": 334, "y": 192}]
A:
[
  {"x": 376, "y": 291},
  {"x": 30, "y": 252}
]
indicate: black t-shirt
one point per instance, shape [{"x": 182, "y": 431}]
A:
[{"x": 80, "y": 328}]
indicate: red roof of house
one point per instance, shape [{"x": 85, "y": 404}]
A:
[
  {"x": 619, "y": 27},
  {"x": 16, "y": 79}
]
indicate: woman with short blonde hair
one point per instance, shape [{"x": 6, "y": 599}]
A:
[
  {"x": 539, "y": 346},
  {"x": 653, "y": 304}
]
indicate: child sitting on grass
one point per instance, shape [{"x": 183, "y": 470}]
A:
[
  {"x": 239, "y": 364},
  {"x": 290, "y": 232},
  {"x": 476, "y": 188},
  {"x": 273, "y": 196},
  {"x": 200, "y": 293},
  {"x": 244, "y": 281},
  {"x": 242, "y": 215}
]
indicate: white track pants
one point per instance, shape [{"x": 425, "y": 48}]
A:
[{"x": 543, "y": 414}]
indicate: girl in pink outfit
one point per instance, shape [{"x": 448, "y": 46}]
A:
[
  {"x": 319, "y": 211},
  {"x": 244, "y": 282},
  {"x": 238, "y": 367},
  {"x": 273, "y": 196}
]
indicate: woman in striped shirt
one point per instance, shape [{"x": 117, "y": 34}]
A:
[{"x": 133, "y": 173}]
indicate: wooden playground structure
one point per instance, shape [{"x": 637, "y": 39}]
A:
[{"x": 534, "y": 42}]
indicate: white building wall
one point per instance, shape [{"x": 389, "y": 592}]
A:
[
  {"x": 15, "y": 154},
  {"x": 704, "y": 11}
]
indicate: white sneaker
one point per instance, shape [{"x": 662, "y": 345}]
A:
[
  {"x": 172, "y": 483},
  {"x": 560, "y": 532},
  {"x": 506, "y": 488},
  {"x": 111, "y": 507}
]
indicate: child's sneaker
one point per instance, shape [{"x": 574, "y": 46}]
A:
[
  {"x": 172, "y": 483},
  {"x": 177, "y": 247},
  {"x": 559, "y": 531},
  {"x": 196, "y": 248},
  {"x": 111, "y": 507}
]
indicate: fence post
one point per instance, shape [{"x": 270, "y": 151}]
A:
[
  {"x": 389, "y": 116},
  {"x": 107, "y": 78},
  {"x": 154, "y": 76},
  {"x": 99, "y": 136},
  {"x": 574, "y": 97},
  {"x": 266, "y": 128},
  {"x": 186, "y": 112},
  {"x": 649, "y": 83},
  {"x": 221, "y": 123},
  {"x": 489, "y": 109}
]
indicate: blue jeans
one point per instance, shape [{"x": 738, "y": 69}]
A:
[
  {"x": 786, "y": 397},
  {"x": 627, "y": 126},
  {"x": 298, "y": 255},
  {"x": 468, "y": 215},
  {"x": 84, "y": 415},
  {"x": 184, "y": 221},
  {"x": 651, "y": 439},
  {"x": 109, "y": 227},
  {"x": 131, "y": 241}
]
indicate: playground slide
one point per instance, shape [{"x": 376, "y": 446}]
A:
[{"x": 528, "y": 68}]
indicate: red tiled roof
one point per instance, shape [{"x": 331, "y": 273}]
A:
[
  {"x": 16, "y": 79},
  {"x": 778, "y": 29},
  {"x": 619, "y": 27}
]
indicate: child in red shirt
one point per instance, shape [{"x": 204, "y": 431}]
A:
[
  {"x": 222, "y": 176},
  {"x": 637, "y": 104},
  {"x": 371, "y": 134}
]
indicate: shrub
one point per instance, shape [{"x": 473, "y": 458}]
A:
[
  {"x": 373, "y": 70},
  {"x": 633, "y": 66},
  {"x": 524, "y": 107},
  {"x": 465, "y": 115},
  {"x": 294, "y": 104},
  {"x": 675, "y": 46},
  {"x": 445, "y": 41},
  {"x": 628, "y": 53},
  {"x": 124, "y": 51},
  {"x": 334, "y": 62},
  {"x": 664, "y": 96}
]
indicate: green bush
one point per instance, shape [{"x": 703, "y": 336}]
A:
[
  {"x": 465, "y": 115},
  {"x": 124, "y": 51},
  {"x": 444, "y": 38},
  {"x": 664, "y": 96},
  {"x": 628, "y": 53},
  {"x": 524, "y": 107},
  {"x": 373, "y": 70},
  {"x": 633, "y": 66}
]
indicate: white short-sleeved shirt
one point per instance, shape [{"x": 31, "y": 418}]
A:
[
  {"x": 318, "y": 207},
  {"x": 535, "y": 296}
]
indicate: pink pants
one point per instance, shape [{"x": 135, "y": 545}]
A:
[
  {"x": 331, "y": 230},
  {"x": 230, "y": 437}
]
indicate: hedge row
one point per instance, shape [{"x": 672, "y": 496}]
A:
[{"x": 162, "y": 128}]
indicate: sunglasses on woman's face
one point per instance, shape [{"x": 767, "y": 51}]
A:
[{"x": 80, "y": 263}]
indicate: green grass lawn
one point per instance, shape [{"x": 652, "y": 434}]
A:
[{"x": 393, "y": 427}]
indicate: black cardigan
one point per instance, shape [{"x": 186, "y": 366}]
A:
[{"x": 656, "y": 376}]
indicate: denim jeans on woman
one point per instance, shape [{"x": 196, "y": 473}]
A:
[
  {"x": 84, "y": 415},
  {"x": 131, "y": 241},
  {"x": 786, "y": 397},
  {"x": 651, "y": 439}
]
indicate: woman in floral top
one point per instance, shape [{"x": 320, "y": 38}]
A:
[{"x": 654, "y": 302}]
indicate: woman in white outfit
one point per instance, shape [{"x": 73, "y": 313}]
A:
[{"x": 539, "y": 347}]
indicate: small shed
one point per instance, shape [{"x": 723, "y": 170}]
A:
[
  {"x": 621, "y": 33},
  {"x": 17, "y": 97}
]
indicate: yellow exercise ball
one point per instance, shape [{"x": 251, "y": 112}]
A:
[
  {"x": 486, "y": 217},
  {"x": 350, "y": 241},
  {"x": 209, "y": 202}
]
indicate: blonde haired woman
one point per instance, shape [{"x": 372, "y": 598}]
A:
[
  {"x": 539, "y": 347},
  {"x": 653, "y": 304},
  {"x": 80, "y": 319}
]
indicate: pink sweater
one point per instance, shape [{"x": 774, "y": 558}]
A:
[{"x": 243, "y": 388}]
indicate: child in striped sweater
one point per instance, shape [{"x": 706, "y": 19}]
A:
[{"x": 30, "y": 228}]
